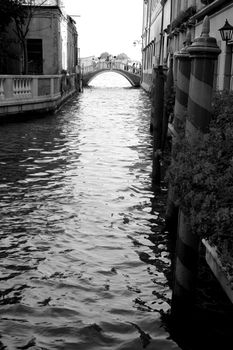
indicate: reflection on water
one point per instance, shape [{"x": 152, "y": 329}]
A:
[{"x": 82, "y": 258}]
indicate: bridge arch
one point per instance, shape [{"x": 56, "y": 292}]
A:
[
  {"x": 131, "y": 73},
  {"x": 132, "y": 79}
]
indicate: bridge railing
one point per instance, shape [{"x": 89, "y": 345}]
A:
[{"x": 110, "y": 65}]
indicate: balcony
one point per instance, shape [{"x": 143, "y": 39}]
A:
[{"x": 22, "y": 94}]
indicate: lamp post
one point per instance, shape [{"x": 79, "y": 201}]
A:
[
  {"x": 137, "y": 42},
  {"x": 226, "y": 31}
]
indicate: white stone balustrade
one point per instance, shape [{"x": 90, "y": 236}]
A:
[
  {"x": 30, "y": 87},
  {"x": 22, "y": 87},
  {"x": 32, "y": 92}
]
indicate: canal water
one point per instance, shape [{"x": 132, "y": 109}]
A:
[{"x": 84, "y": 264}]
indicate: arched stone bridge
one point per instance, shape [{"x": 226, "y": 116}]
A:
[{"x": 131, "y": 73}]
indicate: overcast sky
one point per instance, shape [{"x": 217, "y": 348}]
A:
[{"x": 107, "y": 25}]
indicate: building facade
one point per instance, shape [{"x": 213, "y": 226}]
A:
[
  {"x": 218, "y": 12},
  {"x": 156, "y": 18},
  {"x": 51, "y": 42},
  {"x": 165, "y": 26}
]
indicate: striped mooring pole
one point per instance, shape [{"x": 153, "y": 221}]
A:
[
  {"x": 180, "y": 113},
  {"x": 203, "y": 52},
  {"x": 153, "y": 98},
  {"x": 182, "y": 86}
]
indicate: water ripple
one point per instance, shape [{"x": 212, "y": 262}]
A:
[{"x": 82, "y": 265}]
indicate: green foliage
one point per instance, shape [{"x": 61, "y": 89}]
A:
[
  {"x": 202, "y": 175},
  {"x": 122, "y": 56},
  {"x": 182, "y": 17},
  {"x": 206, "y": 2},
  {"x": 10, "y": 9},
  {"x": 104, "y": 55}
]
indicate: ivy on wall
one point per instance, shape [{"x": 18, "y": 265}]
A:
[
  {"x": 182, "y": 17},
  {"x": 202, "y": 175},
  {"x": 206, "y": 2}
]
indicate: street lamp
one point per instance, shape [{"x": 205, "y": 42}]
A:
[
  {"x": 136, "y": 42},
  {"x": 226, "y": 31}
]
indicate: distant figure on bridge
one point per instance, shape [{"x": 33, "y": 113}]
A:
[
  {"x": 108, "y": 62},
  {"x": 134, "y": 68},
  {"x": 93, "y": 63},
  {"x": 126, "y": 67},
  {"x": 113, "y": 62},
  {"x": 139, "y": 68}
]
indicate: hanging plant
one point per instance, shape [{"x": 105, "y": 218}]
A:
[
  {"x": 183, "y": 17},
  {"x": 202, "y": 175},
  {"x": 206, "y": 2}
]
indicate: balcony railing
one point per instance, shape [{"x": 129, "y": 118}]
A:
[
  {"x": 25, "y": 88},
  {"x": 20, "y": 93},
  {"x": 22, "y": 87}
]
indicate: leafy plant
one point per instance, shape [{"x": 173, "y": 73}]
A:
[
  {"x": 104, "y": 55},
  {"x": 202, "y": 175},
  {"x": 182, "y": 17},
  {"x": 10, "y": 9},
  {"x": 18, "y": 14},
  {"x": 122, "y": 56},
  {"x": 206, "y": 2}
]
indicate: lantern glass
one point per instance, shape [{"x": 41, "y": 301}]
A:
[{"x": 226, "y": 31}]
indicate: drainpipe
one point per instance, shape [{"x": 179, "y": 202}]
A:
[
  {"x": 149, "y": 22},
  {"x": 161, "y": 32}
]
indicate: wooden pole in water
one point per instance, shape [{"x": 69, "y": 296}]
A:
[
  {"x": 204, "y": 51},
  {"x": 157, "y": 100},
  {"x": 168, "y": 94}
]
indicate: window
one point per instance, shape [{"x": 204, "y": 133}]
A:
[{"x": 35, "y": 56}]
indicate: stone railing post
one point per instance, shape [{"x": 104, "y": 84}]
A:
[
  {"x": 35, "y": 87},
  {"x": 8, "y": 87},
  {"x": 52, "y": 87},
  {"x": 204, "y": 51},
  {"x": 2, "y": 93}
]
